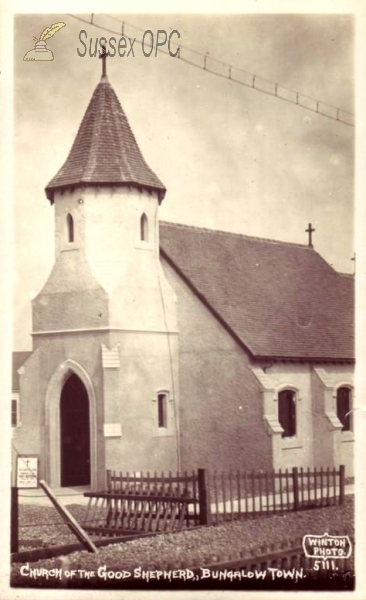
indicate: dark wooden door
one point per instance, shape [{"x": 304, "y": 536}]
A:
[{"x": 75, "y": 436}]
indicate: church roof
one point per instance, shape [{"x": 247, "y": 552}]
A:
[
  {"x": 105, "y": 151},
  {"x": 278, "y": 300}
]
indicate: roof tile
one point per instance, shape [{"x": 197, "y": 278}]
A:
[
  {"x": 105, "y": 150},
  {"x": 278, "y": 299}
]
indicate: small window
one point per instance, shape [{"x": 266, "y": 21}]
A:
[
  {"x": 344, "y": 407},
  {"x": 144, "y": 228},
  {"x": 70, "y": 228},
  {"x": 162, "y": 410},
  {"x": 287, "y": 412},
  {"x": 14, "y": 411}
]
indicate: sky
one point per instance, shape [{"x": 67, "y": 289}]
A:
[{"x": 230, "y": 157}]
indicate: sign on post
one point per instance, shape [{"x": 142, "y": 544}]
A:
[{"x": 27, "y": 471}]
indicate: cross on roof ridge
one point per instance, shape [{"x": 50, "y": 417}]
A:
[
  {"x": 103, "y": 55},
  {"x": 310, "y": 230}
]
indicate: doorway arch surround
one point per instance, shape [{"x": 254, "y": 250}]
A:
[{"x": 52, "y": 422}]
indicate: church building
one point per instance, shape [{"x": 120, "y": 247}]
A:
[{"x": 159, "y": 346}]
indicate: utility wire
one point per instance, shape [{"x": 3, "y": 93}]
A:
[
  {"x": 214, "y": 66},
  {"x": 175, "y": 415}
]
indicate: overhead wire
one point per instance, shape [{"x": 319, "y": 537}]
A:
[
  {"x": 170, "y": 353},
  {"x": 231, "y": 73}
]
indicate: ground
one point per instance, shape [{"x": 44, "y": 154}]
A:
[{"x": 189, "y": 548}]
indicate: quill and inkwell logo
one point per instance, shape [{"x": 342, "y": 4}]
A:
[{"x": 40, "y": 50}]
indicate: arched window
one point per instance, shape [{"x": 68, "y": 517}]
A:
[
  {"x": 70, "y": 228},
  {"x": 144, "y": 228},
  {"x": 162, "y": 410},
  {"x": 344, "y": 407},
  {"x": 287, "y": 412}
]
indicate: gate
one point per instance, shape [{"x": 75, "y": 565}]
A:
[{"x": 139, "y": 504}]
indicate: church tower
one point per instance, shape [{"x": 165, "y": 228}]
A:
[{"x": 104, "y": 324}]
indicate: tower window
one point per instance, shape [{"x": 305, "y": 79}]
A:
[
  {"x": 344, "y": 402},
  {"x": 287, "y": 412},
  {"x": 70, "y": 228},
  {"x": 162, "y": 410},
  {"x": 144, "y": 228}
]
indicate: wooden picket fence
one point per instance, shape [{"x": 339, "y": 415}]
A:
[
  {"x": 243, "y": 494},
  {"x": 137, "y": 503},
  {"x": 147, "y": 503}
]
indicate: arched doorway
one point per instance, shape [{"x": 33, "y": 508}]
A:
[{"x": 74, "y": 433}]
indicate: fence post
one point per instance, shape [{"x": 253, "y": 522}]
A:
[
  {"x": 295, "y": 485},
  {"x": 341, "y": 483},
  {"x": 14, "y": 530},
  {"x": 78, "y": 531},
  {"x": 203, "y": 498}
]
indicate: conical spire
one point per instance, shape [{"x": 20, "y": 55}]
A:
[{"x": 105, "y": 151}]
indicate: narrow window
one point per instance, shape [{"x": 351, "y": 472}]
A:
[
  {"x": 162, "y": 420},
  {"x": 287, "y": 412},
  {"x": 344, "y": 407},
  {"x": 144, "y": 228},
  {"x": 14, "y": 412},
  {"x": 70, "y": 228}
]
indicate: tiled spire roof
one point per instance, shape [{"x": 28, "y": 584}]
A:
[{"x": 105, "y": 151}]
